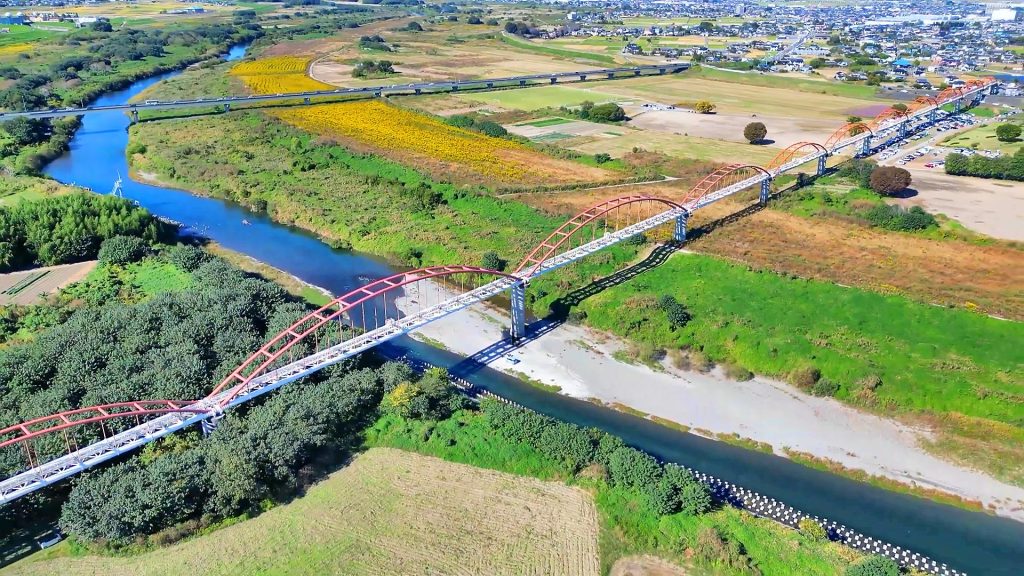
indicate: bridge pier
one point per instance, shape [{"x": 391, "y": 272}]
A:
[
  {"x": 636, "y": 72},
  {"x": 377, "y": 94},
  {"x": 455, "y": 87},
  {"x": 933, "y": 115},
  {"x": 661, "y": 70},
  {"x": 210, "y": 424},
  {"x": 903, "y": 129},
  {"x": 680, "y": 232},
  {"x": 305, "y": 100},
  {"x": 490, "y": 84},
  {"x": 611, "y": 75},
  {"x": 766, "y": 190},
  {"x": 957, "y": 104},
  {"x": 522, "y": 82},
  {"x": 554, "y": 80},
  {"x": 865, "y": 146},
  {"x": 583, "y": 77},
  {"x": 227, "y": 107},
  {"x": 518, "y": 309},
  {"x": 134, "y": 114},
  {"x": 822, "y": 160},
  {"x": 418, "y": 90}
]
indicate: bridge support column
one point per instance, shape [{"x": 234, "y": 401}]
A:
[
  {"x": 957, "y": 104},
  {"x": 377, "y": 94},
  {"x": 661, "y": 70},
  {"x": 518, "y": 311},
  {"x": 554, "y": 80},
  {"x": 933, "y": 115},
  {"x": 680, "y": 232},
  {"x": 455, "y": 87},
  {"x": 865, "y": 146},
  {"x": 822, "y": 160},
  {"x": 903, "y": 129},
  {"x": 583, "y": 77},
  {"x": 636, "y": 72},
  {"x": 522, "y": 82},
  {"x": 490, "y": 84},
  {"x": 134, "y": 114},
  {"x": 305, "y": 100},
  {"x": 210, "y": 424},
  {"x": 611, "y": 75},
  {"x": 227, "y": 107},
  {"x": 418, "y": 90},
  {"x": 766, "y": 190}
]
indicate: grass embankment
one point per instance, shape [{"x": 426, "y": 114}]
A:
[
  {"x": 628, "y": 525},
  {"x": 14, "y": 189},
  {"x": 388, "y": 512},
  {"x": 984, "y": 138},
  {"x": 556, "y": 52}
]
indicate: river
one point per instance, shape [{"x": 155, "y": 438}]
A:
[{"x": 977, "y": 543}]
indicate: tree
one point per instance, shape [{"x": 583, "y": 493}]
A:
[
  {"x": 101, "y": 26},
  {"x": 874, "y": 566},
  {"x": 812, "y": 529},
  {"x": 491, "y": 128},
  {"x": 899, "y": 107},
  {"x": 474, "y": 20},
  {"x": 492, "y": 261},
  {"x": 609, "y": 112},
  {"x": 602, "y": 157},
  {"x": 676, "y": 312},
  {"x": 853, "y": 119},
  {"x": 704, "y": 107},
  {"x": 25, "y": 131},
  {"x": 122, "y": 250},
  {"x": 1008, "y": 132},
  {"x": 889, "y": 180},
  {"x": 755, "y": 132},
  {"x": 817, "y": 63},
  {"x": 632, "y": 468},
  {"x": 414, "y": 27}
]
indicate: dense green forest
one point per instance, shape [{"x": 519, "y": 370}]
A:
[
  {"x": 1003, "y": 167},
  {"x": 69, "y": 228}
]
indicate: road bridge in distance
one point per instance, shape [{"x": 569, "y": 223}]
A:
[{"x": 307, "y": 97}]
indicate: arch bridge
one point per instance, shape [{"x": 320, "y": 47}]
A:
[{"x": 61, "y": 445}]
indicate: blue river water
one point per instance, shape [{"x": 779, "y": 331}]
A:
[{"x": 977, "y": 543}]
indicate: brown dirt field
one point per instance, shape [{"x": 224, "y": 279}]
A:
[
  {"x": 388, "y": 512},
  {"x": 946, "y": 272},
  {"x": 783, "y": 131},
  {"x": 992, "y": 207},
  {"x": 645, "y": 566},
  {"x": 56, "y": 278}
]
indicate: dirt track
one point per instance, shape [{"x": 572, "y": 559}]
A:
[{"x": 992, "y": 207}]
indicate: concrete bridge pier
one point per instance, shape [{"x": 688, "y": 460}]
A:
[
  {"x": 554, "y": 79},
  {"x": 957, "y": 104},
  {"x": 134, "y": 115},
  {"x": 522, "y": 82},
  {"x": 679, "y": 235},
  {"x": 933, "y": 115},
  {"x": 661, "y": 70},
  {"x": 210, "y": 424},
  {"x": 611, "y": 75},
  {"x": 903, "y": 129},
  {"x": 518, "y": 309},
  {"x": 305, "y": 100},
  {"x": 822, "y": 160},
  {"x": 766, "y": 190},
  {"x": 418, "y": 90},
  {"x": 865, "y": 146},
  {"x": 490, "y": 84},
  {"x": 636, "y": 72},
  {"x": 583, "y": 77},
  {"x": 455, "y": 87}
]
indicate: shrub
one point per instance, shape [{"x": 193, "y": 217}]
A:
[
  {"x": 460, "y": 121},
  {"x": 825, "y": 387},
  {"x": 187, "y": 258},
  {"x": 122, "y": 250},
  {"x": 414, "y": 27},
  {"x": 736, "y": 372},
  {"x": 804, "y": 377},
  {"x": 632, "y": 468},
  {"x": 888, "y": 180},
  {"x": 873, "y": 566},
  {"x": 755, "y": 132},
  {"x": 491, "y": 128},
  {"x": 812, "y": 529},
  {"x": 676, "y": 312},
  {"x": 704, "y": 107},
  {"x": 609, "y": 112},
  {"x": 858, "y": 169},
  {"x": 602, "y": 157},
  {"x": 899, "y": 219},
  {"x": 492, "y": 261},
  {"x": 1007, "y": 132}
]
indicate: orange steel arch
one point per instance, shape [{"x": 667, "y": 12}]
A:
[
  {"x": 949, "y": 94},
  {"x": 711, "y": 181},
  {"x": 890, "y": 114},
  {"x": 851, "y": 129},
  {"x": 546, "y": 249},
  {"x": 790, "y": 152},
  {"x": 88, "y": 415},
  {"x": 261, "y": 361}
]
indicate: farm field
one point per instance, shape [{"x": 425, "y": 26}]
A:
[
  {"x": 388, "y": 512},
  {"x": 28, "y": 286},
  {"x": 542, "y": 97},
  {"x": 674, "y": 144},
  {"x": 276, "y": 74}
]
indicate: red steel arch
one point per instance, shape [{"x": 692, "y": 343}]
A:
[
  {"x": 550, "y": 245},
  {"x": 949, "y": 94},
  {"x": 259, "y": 362},
  {"x": 713, "y": 181},
  {"x": 851, "y": 129},
  {"x": 90, "y": 415},
  {"x": 890, "y": 114},
  {"x": 790, "y": 152}
]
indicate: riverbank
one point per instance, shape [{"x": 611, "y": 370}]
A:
[{"x": 582, "y": 363}]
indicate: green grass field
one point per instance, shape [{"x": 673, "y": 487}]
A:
[
  {"x": 18, "y": 34},
  {"x": 985, "y": 138},
  {"x": 546, "y": 122},
  {"x": 927, "y": 357},
  {"x": 540, "y": 97},
  {"x": 539, "y": 48}
]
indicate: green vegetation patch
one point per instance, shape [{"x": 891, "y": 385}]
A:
[
  {"x": 546, "y": 122},
  {"x": 557, "y": 52}
]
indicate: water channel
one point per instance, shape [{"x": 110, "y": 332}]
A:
[{"x": 977, "y": 543}]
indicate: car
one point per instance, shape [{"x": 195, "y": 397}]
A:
[{"x": 512, "y": 359}]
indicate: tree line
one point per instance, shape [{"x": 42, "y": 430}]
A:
[
  {"x": 1005, "y": 167},
  {"x": 69, "y": 228}
]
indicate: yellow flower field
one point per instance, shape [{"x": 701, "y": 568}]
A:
[
  {"x": 277, "y": 74},
  {"x": 15, "y": 48},
  {"x": 394, "y": 129}
]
